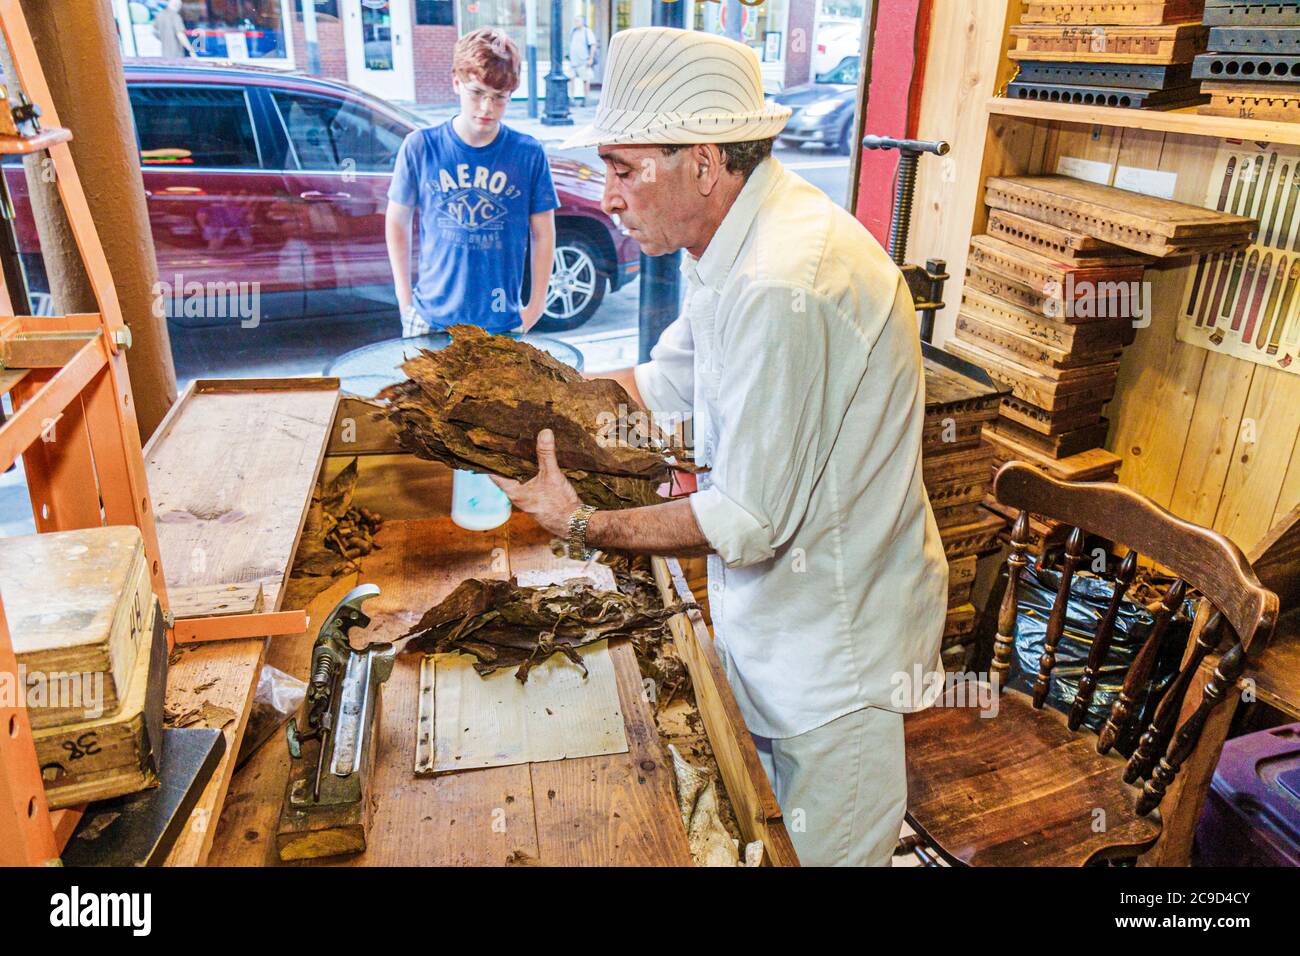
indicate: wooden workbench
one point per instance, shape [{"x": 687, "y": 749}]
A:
[
  {"x": 617, "y": 809},
  {"x": 231, "y": 471}
]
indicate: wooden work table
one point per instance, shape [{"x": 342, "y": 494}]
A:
[
  {"x": 617, "y": 809},
  {"x": 231, "y": 471}
]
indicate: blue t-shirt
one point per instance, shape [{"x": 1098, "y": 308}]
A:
[{"x": 474, "y": 204}]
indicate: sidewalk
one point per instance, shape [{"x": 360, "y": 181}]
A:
[{"x": 517, "y": 118}]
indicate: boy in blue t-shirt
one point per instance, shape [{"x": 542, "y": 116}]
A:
[{"x": 483, "y": 191}]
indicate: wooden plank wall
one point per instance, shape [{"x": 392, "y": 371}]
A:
[{"x": 964, "y": 67}]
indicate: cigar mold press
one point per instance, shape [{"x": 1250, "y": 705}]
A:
[{"x": 332, "y": 742}]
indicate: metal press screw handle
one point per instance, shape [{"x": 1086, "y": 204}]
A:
[
  {"x": 938, "y": 147},
  {"x": 909, "y": 151}
]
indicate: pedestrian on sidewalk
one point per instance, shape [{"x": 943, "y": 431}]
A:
[{"x": 582, "y": 58}]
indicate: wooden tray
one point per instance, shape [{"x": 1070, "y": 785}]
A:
[
  {"x": 1279, "y": 101},
  {"x": 1056, "y": 243},
  {"x": 1037, "y": 270},
  {"x": 974, "y": 538},
  {"x": 1130, "y": 12},
  {"x": 1178, "y": 43},
  {"x": 1031, "y": 386},
  {"x": 1146, "y": 224},
  {"x": 1061, "y": 445},
  {"x": 231, "y": 468},
  {"x": 1050, "y": 423},
  {"x": 1099, "y": 338},
  {"x": 1006, "y": 342},
  {"x": 1097, "y": 464}
]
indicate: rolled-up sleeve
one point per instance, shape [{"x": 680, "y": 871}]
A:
[
  {"x": 667, "y": 381},
  {"x": 777, "y": 421}
]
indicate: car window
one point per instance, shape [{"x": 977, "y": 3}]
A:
[
  {"x": 845, "y": 72},
  {"x": 338, "y": 135},
  {"x": 204, "y": 126}
]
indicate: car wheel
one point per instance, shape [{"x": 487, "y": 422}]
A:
[
  {"x": 577, "y": 285},
  {"x": 845, "y": 147}
]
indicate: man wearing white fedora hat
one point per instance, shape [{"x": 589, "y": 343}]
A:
[{"x": 797, "y": 355}]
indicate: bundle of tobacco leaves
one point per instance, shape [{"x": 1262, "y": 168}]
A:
[
  {"x": 655, "y": 656},
  {"x": 335, "y": 535},
  {"x": 479, "y": 403},
  {"x": 504, "y": 625}
]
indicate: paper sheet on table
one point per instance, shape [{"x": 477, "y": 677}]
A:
[{"x": 496, "y": 721}]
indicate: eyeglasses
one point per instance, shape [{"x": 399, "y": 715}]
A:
[{"x": 486, "y": 96}]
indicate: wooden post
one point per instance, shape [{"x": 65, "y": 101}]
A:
[{"x": 77, "y": 45}]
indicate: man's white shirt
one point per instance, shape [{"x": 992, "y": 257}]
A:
[{"x": 798, "y": 355}]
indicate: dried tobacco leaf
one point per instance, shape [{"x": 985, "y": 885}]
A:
[
  {"x": 504, "y": 625},
  {"x": 479, "y": 403},
  {"x": 334, "y": 535}
]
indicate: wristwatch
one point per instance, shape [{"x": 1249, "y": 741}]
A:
[{"x": 576, "y": 543}]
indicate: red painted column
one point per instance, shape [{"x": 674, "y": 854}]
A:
[{"x": 893, "y": 103}]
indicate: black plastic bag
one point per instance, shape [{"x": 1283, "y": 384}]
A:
[{"x": 1089, "y": 598}]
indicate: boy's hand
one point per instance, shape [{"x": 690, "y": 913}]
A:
[
  {"x": 530, "y": 315},
  {"x": 548, "y": 497}
]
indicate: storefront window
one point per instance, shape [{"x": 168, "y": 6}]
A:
[
  {"x": 377, "y": 31},
  {"x": 509, "y": 16},
  {"x": 761, "y": 27},
  {"x": 240, "y": 30}
]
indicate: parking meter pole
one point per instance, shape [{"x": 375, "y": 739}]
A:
[
  {"x": 660, "y": 275},
  {"x": 557, "y": 84},
  {"x": 660, "y": 298}
]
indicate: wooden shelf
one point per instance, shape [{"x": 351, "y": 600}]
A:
[{"x": 1187, "y": 122}]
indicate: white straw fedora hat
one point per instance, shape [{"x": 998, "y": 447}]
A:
[{"x": 664, "y": 85}]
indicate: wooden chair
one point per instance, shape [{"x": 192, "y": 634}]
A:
[{"x": 1027, "y": 786}]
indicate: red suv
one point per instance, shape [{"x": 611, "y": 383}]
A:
[{"x": 253, "y": 175}]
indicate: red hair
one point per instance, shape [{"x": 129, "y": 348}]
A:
[{"x": 489, "y": 56}]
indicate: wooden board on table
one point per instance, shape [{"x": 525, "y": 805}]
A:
[
  {"x": 231, "y": 468},
  {"x": 1111, "y": 12},
  {"x": 757, "y": 812},
  {"x": 494, "y": 720},
  {"x": 1175, "y": 43}
]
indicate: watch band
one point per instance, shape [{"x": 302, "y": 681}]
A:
[{"x": 577, "y": 537}]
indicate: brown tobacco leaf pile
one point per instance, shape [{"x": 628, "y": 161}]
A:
[
  {"x": 504, "y": 625},
  {"x": 655, "y": 656},
  {"x": 479, "y": 403}
]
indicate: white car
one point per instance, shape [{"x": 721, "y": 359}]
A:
[{"x": 835, "y": 41}]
